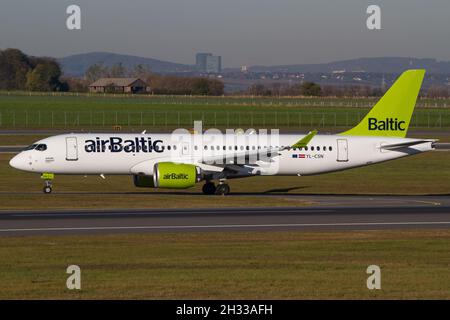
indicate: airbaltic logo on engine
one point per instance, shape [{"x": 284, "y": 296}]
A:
[
  {"x": 174, "y": 176},
  {"x": 389, "y": 124},
  {"x": 116, "y": 144}
]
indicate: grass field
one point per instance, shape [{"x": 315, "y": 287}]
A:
[
  {"x": 158, "y": 113},
  {"x": 269, "y": 265},
  {"x": 427, "y": 173}
]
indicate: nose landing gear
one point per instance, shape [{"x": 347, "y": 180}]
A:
[{"x": 47, "y": 177}]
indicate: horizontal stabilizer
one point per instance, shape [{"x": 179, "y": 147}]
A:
[{"x": 404, "y": 144}]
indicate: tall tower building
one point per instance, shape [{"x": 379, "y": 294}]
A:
[
  {"x": 213, "y": 64},
  {"x": 206, "y": 62},
  {"x": 201, "y": 60}
]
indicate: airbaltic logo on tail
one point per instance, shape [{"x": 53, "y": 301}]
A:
[{"x": 389, "y": 124}]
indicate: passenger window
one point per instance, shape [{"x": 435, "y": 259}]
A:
[
  {"x": 41, "y": 147},
  {"x": 174, "y": 147},
  {"x": 205, "y": 147},
  {"x": 247, "y": 148},
  {"x": 306, "y": 148},
  {"x": 330, "y": 148},
  {"x": 312, "y": 148},
  {"x": 195, "y": 148},
  {"x": 168, "y": 147}
]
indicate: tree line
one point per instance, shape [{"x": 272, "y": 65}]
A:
[{"x": 21, "y": 72}]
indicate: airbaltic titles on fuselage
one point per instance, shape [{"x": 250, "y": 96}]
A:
[{"x": 117, "y": 144}]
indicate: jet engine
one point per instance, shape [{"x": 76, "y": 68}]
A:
[
  {"x": 170, "y": 175},
  {"x": 176, "y": 175}
]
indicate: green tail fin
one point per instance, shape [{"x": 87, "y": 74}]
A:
[{"x": 391, "y": 115}]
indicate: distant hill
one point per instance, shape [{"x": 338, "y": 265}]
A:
[
  {"x": 378, "y": 65},
  {"x": 76, "y": 65}
]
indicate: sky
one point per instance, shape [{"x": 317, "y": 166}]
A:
[{"x": 243, "y": 32}]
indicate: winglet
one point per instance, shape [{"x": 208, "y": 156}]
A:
[{"x": 303, "y": 142}]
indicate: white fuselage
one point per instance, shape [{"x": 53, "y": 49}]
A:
[{"x": 137, "y": 153}]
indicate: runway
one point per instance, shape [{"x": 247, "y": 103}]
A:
[{"x": 308, "y": 219}]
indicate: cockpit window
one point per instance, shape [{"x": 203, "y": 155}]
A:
[
  {"x": 41, "y": 147},
  {"x": 30, "y": 147}
]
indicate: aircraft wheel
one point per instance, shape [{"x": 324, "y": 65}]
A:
[
  {"x": 223, "y": 189},
  {"x": 209, "y": 188},
  {"x": 47, "y": 189}
]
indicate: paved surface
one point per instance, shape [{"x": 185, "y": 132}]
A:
[
  {"x": 382, "y": 213},
  {"x": 11, "y": 149}
]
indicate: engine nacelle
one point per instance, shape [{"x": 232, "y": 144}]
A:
[
  {"x": 143, "y": 181},
  {"x": 176, "y": 175}
]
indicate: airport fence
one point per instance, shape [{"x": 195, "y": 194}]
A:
[
  {"x": 233, "y": 100},
  {"x": 221, "y": 119}
]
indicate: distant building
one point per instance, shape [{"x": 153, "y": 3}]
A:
[
  {"x": 207, "y": 62},
  {"x": 200, "y": 61},
  {"x": 121, "y": 85},
  {"x": 213, "y": 64}
]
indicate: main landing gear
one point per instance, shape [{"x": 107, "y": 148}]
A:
[
  {"x": 210, "y": 188},
  {"x": 47, "y": 177}
]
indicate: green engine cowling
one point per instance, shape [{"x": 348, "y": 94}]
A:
[{"x": 176, "y": 175}]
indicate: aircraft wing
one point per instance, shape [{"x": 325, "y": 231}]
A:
[{"x": 303, "y": 142}]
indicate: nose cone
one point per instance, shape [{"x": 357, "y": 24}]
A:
[{"x": 18, "y": 162}]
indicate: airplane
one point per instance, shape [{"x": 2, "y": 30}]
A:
[{"x": 179, "y": 161}]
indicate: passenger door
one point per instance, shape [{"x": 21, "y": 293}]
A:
[
  {"x": 342, "y": 150},
  {"x": 71, "y": 149}
]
